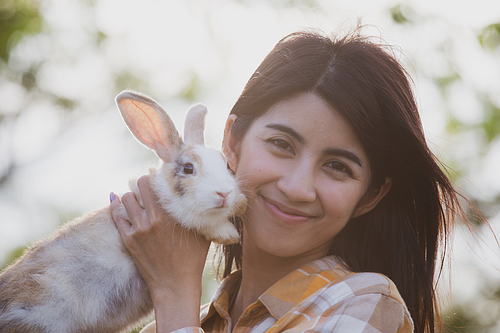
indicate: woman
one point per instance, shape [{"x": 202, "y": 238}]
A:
[{"x": 327, "y": 144}]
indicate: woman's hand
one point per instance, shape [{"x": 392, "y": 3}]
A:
[{"x": 169, "y": 257}]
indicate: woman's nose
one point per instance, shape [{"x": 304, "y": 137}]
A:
[{"x": 297, "y": 183}]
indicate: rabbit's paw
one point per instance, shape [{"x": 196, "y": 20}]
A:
[{"x": 225, "y": 234}]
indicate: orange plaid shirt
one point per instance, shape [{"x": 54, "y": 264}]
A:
[{"x": 321, "y": 296}]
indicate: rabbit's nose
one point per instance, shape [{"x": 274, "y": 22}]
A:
[{"x": 222, "y": 198}]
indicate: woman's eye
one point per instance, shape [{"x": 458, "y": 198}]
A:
[
  {"x": 282, "y": 145},
  {"x": 338, "y": 166}
]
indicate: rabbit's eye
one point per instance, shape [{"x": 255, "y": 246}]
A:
[{"x": 188, "y": 168}]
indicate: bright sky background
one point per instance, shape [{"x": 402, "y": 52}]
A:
[{"x": 164, "y": 42}]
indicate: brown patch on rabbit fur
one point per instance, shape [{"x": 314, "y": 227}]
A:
[
  {"x": 21, "y": 285},
  {"x": 178, "y": 181},
  {"x": 22, "y": 281}
]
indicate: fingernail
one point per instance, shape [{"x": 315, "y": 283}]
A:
[{"x": 111, "y": 197}]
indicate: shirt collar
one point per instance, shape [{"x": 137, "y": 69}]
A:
[
  {"x": 220, "y": 302},
  {"x": 284, "y": 294},
  {"x": 300, "y": 284}
]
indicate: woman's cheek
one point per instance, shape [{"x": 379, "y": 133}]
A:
[{"x": 342, "y": 201}]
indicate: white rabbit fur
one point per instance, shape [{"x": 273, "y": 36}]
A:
[{"x": 82, "y": 279}]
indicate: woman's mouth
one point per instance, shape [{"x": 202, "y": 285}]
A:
[{"x": 286, "y": 214}]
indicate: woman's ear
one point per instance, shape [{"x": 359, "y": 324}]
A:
[
  {"x": 228, "y": 145},
  {"x": 372, "y": 198}
]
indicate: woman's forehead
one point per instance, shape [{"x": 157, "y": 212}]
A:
[{"x": 305, "y": 111}]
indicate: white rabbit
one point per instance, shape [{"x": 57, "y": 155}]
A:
[{"x": 82, "y": 279}]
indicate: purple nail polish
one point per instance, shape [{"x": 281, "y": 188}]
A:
[{"x": 111, "y": 197}]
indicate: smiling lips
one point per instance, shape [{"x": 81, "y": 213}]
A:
[{"x": 286, "y": 214}]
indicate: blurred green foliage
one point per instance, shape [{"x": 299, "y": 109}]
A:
[
  {"x": 491, "y": 123},
  {"x": 490, "y": 37},
  {"x": 17, "y": 19},
  {"x": 127, "y": 80},
  {"x": 288, "y": 3},
  {"x": 402, "y": 14},
  {"x": 478, "y": 316},
  {"x": 13, "y": 255},
  {"x": 192, "y": 88}
]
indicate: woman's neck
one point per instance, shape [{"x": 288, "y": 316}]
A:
[{"x": 259, "y": 272}]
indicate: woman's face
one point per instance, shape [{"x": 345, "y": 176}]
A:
[{"x": 305, "y": 174}]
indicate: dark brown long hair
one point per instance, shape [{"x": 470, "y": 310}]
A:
[{"x": 361, "y": 79}]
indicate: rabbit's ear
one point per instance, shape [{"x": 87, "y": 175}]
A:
[
  {"x": 149, "y": 123},
  {"x": 195, "y": 124}
]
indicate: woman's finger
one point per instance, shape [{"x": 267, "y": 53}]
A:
[
  {"x": 134, "y": 210},
  {"x": 117, "y": 214},
  {"x": 143, "y": 184},
  {"x": 152, "y": 207},
  {"x": 147, "y": 194}
]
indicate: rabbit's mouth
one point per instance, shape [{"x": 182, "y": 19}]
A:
[{"x": 219, "y": 206}]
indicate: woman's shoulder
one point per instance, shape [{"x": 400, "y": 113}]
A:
[
  {"x": 343, "y": 283},
  {"x": 340, "y": 298},
  {"x": 356, "y": 284},
  {"x": 328, "y": 279}
]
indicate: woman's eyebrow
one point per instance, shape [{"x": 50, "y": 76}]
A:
[
  {"x": 345, "y": 153},
  {"x": 290, "y": 131}
]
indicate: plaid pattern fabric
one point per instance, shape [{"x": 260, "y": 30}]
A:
[{"x": 321, "y": 296}]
